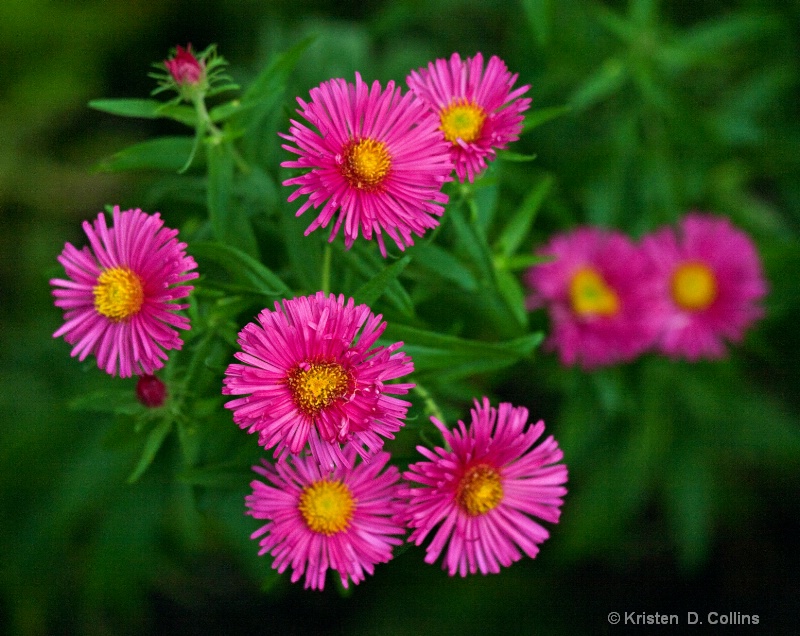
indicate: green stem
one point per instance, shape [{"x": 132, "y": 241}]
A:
[
  {"x": 325, "y": 284},
  {"x": 215, "y": 133},
  {"x": 431, "y": 408}
]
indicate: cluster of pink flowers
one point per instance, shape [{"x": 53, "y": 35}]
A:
[
  {"x": 313, "y": 386},
  {"x": 682, "y": 291},
  {"x": 374, "y": 161},
  {"x": 377, "y": 159},
  {"x": 309, "y": 377}
]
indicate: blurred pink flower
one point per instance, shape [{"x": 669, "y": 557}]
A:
[
  {"x": 477, "y": 110},
  {"x": 482, "y": 489},
  {"x": 307, "y": 380},
  {"x": 373, "y": 156},
  {"x": 317, "y": 519},
  {"x": 185, "y": 68},
  {"x": 599, "y": 290},
  {"x": 709, "y": 283},
  {"x": 119, "y": 297}
]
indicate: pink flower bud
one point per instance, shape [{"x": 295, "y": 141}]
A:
[
  {"x": 185, "y": 68},
  {"x": 151, "y": 391}
]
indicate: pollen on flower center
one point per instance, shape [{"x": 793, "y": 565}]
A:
[
  {"x": 462, "y": 119},
  {"x": 694, "y": 286},
  {"x": 479, "y": 490},
  {"x": 118, "y": 294},
  {"x": 366, "y": 163},
  {"x": 326, "y": 506},
  {"x": 315, "y": 386},
  {"x": 590, "y": 295}
]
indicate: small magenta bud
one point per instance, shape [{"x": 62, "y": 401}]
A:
[
  {"x": 151, "y": 391},
  {"x": 185, "y": 68}
]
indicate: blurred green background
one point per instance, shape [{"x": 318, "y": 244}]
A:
[{"x": 683, "y": 478}]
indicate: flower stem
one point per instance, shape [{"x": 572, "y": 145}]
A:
[
  {"x": 325, "y": 283},
  {"x": 431, "y": 408}
]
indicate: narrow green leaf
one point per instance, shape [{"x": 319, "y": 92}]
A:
[
  {"x": 276, "y": 72},
  {"x": 507, "y": 155},
  {"x": 228, "y": 220},
  {"x": 146, "y": 109},
  {"x": 304, "y": 252},
  {"x": 474, "y": 243},
  {"x": 374, "y": 288},
  {"x": 442, "y": 263},
  {"x": 152, "y": 444},
  {"x": 519, "y": 226},
  {"x": 607, "y": 80},
  {"x": 263, "y": 98},
  {"x": 513, "y": 295},
  {"x": 643, "y": 13},
  {"x": 539, "y": 14},
  {"x": 520, "y": 261},
  {"x": 165, "y": 153},
  {"x": 711, "y": 38},
  {"x": 536, "y": 118},
  {"x": 228, "y": 109},
  {"x": 451, "y": 357},
  {"x": 368, "y": 264},
  {"x": 619, "y": 26},
  {"x": 243, "y": 267},
  {"x": 107, "y": 401}
]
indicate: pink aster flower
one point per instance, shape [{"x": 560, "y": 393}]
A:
[
  {"x": 710, "y": 284},
  {"x": 311, "y": 376},
  {"x": 119, "y": 298},
  {"x": 341, "y": 519},
  {"x": 483, "y": 489},
  {"x": 477, "y": 109},
  {"x": 375, "y": 157},
  {"x": 599, "y": 290}
]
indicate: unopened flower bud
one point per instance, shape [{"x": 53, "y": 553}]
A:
[
  {"x": 151, "y": 391},
  {"x": 185, "y": 68}
]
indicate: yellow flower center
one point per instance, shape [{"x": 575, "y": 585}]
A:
[
  {"x": 479, "y": 490},
  {"x": 590, "y": 295},
  {"x": 366, "y": 164},
  {"x": 327, "y": 506},
  {"x": 694, "y": 286},
  {"x": 462, "y": 119},
  {"x": 118, "y": 294},
  {"x": 317, "y": 385}
]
